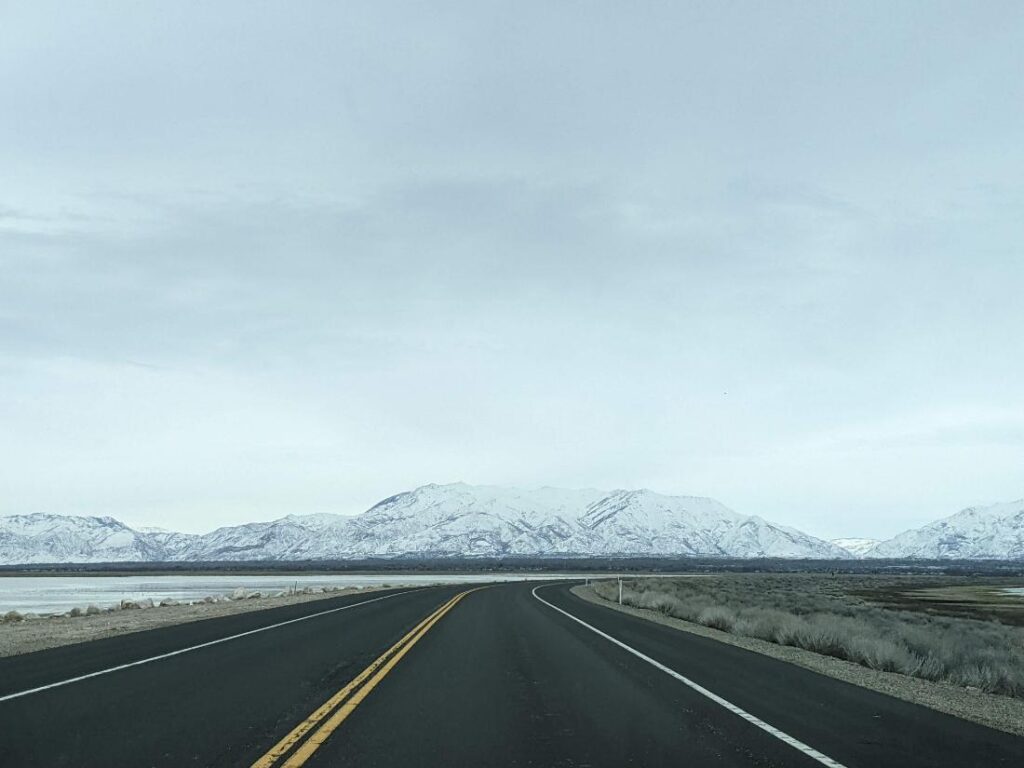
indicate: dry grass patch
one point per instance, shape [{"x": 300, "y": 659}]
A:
[{"x": 834, "y": 616}]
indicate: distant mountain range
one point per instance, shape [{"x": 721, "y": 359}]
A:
[
  {"x": 434, "y": 521},
  {"x": 856, "y": 547},
  {"x": 994, "y": 532},
  {"x": 485, "y": 521}
]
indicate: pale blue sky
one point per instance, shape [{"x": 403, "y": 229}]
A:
[{"x": 260, "y": 259}]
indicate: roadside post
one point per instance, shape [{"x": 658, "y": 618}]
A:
[{"x": 620, "y": 590}]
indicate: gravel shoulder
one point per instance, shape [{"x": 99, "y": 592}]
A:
[
  {"x": 44, "y": 632},
  {"x": 1000, "y": 712}
]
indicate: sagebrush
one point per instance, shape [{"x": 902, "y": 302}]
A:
[{"x": 822, "y": 614}]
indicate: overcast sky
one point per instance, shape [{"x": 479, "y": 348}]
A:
[{"x": 260, "y": 259}]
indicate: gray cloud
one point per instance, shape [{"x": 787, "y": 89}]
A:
[{"x": 267, "y": 260}]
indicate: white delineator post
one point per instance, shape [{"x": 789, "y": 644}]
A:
[{"x": 620, "y": 590}]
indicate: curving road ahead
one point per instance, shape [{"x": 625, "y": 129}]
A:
[{"x": 506, "y": 675}]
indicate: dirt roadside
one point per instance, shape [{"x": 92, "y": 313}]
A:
[
  {"x": 1001, "y": 712},
  {"x": 37, "y": 634}
]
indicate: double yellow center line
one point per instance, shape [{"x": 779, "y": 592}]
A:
[{"x": 333, "y": 712}]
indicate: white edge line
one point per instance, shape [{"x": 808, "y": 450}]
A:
[
  {"x": 780, "y": 735},
  {"x": 180, "y": 651}
]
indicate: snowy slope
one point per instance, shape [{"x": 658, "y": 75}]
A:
[
  {"x": 486, "y": 520},
  {"x": 295, "y": 537},
  {"x": 470, "y": 520},
  {"x": 43, "y": 538},
  {"x": 856, "y": 547},
  {"x": 990, "y": 532}
]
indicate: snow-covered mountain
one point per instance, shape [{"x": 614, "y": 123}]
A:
[
  {"x": 994, "y": 532},
  {"x": 487, "y": 520},
  {"x": 481, "y": 521},
  {"x": 295, "y": 537},
  {"x": 436, "y": 520},
  {"x": 42, "y": 538},
  {"x": 856, "y": 547}
]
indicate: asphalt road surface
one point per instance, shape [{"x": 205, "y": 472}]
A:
[{"x": 505, "y": 675}]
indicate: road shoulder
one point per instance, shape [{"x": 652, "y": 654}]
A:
[
  {"x": 46, "y": 632},
  {"x": 1000, "y": 712}
]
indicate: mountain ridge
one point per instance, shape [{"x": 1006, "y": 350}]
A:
[
  {"x": 436, "y": 520},
  {"x": 995, "y": 531},
  {"x": 457, "y": 519},
  {"x": 858, "y": 547}
]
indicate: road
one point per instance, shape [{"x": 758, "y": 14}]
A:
[{"x": 506, "y": 675}]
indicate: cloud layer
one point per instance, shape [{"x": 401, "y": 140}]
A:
[{"x": 275, "y": 259}]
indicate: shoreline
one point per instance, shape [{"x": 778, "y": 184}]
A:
[
  {"x": 9, "y": 572},
  {"x": 57, "y": 630}
]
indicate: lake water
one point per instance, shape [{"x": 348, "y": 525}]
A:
[{"x": 57, "y": 594}]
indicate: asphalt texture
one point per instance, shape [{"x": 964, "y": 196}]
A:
[{"x": 501, "y": 679}]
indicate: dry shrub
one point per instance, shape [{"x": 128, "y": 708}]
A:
[{"x": 822, "y": 615}]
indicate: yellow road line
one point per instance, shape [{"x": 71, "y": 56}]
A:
[
  {"x": 306, "y": 750},
  {"x": 328, "y": 706},
  {"x": 282, "y": 747}
]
